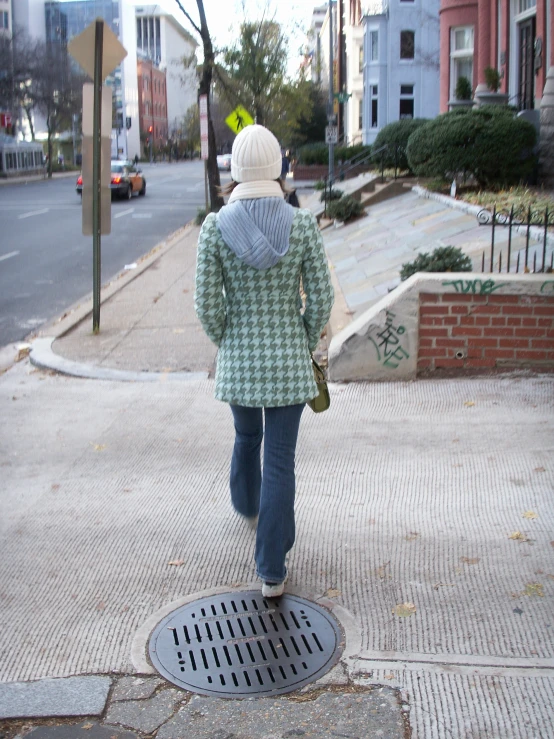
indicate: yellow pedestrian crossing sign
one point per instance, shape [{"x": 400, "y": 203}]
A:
[{"x": 239, "y": 119}]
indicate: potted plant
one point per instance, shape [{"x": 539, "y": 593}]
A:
[
  {"x": 462, "y": 94},
  {"x": 487, "y": 92},
  {"x": 492, "y": 78}
]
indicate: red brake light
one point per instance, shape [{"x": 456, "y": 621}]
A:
[
  {"x": 79, "y": 180},
  {"x": 116, "y": 180}
]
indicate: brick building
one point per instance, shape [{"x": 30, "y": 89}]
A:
[
  {"x": 513, "y": 36},
  {"x": 152, "y": 87}
]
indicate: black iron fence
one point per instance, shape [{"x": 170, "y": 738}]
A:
[{"x": 536, "y": 256}]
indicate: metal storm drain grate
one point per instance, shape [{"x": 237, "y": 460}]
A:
[{"x": 240, "y": 644}]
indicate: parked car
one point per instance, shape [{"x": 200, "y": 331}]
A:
[
  {"x": 224, "y": 162},
  {"x": 125, "y": 180}
]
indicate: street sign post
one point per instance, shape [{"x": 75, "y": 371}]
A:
[
  {"x": 331, "y": 134},
  {"x": 98, "y": 51}
]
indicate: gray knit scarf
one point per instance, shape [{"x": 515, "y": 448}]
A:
[{"x": 257, "y": 230}]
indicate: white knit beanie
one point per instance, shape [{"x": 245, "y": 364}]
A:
[{"x": 256, "y": 155}]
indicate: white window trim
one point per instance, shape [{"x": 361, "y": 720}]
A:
[{"x": 459, "y": 54}]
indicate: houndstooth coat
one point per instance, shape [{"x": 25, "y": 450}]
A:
[{"x": 254, "y": 316}]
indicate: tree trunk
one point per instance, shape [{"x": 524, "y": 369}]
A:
[
  {"x": 204, "y": 88},
  {"x": 49, "y": 148}
]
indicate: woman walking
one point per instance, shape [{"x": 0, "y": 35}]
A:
[{"x": 252, "y": 257}]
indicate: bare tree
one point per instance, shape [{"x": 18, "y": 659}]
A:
[
  {"x": 17, "y": 65},
  {"x": 204, "y": 88},
  {"x": 56, "y": 91}
]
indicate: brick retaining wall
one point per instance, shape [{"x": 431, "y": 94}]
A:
[{"x": 465, "y": 331}]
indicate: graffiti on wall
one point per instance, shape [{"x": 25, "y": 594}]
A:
[
  {"x": 474, "y": 287},
  {"x": 388, "y": 342},
  {"x": 547, "y": 287}
]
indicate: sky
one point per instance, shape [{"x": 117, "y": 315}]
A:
[{"x": 224, "y": 18}]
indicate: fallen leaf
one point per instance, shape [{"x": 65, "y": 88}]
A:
[
  {"x": 332, "y": 593},
  {"x": 98, "y": 447},
  {"x": 100, "y": 606},
  {"x": 470, "y": 560},
  {"x": 518, "y": 536},
  {"x": 389, "y": 676},
  {"x": 55, "y": 486},
  {"x": 178, "y": 330},
  {"x": 88, "y": 726},
  {"x": 518, "y": 611},
  {"x": 539, "y": 469},
  {"x": 469, "y": 403},
  {"x": 412, "y": 536},
  {"x": 438, "y": 585},
  {"x": 381, "y": 571},
  {"x": 530, "y": 514},
  {"x": 176, "y": 562},
  {"x": 404, "y": 610},
  {"x": 534, "y": 589},
  {"x": 552, "y": 543}
]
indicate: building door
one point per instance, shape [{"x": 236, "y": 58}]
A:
[{"x": 526, "y": 97}]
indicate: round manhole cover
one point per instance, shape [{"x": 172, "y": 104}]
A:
[{"x": 241, "y": 644}]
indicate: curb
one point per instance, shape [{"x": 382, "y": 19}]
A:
[
  {"x": 534, "y": 232},
  {"x": 43, "y": 357}
]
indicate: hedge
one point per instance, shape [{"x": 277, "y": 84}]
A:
[
  {"x": 395, "y": 136},
  {"x": 442, "y": 259},
  {"x": 319, "y": 153},
  {"x": 488, "y": 143}
]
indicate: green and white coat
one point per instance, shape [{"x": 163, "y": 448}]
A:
[{"x": 255, "y": 315}]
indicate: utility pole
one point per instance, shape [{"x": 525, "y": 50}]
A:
[{"x": 330, "y": 114}]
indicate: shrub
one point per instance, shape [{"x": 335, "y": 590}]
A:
[
  {"x": 395, "y": 136},
  {"x": 489, "y": 143},
  {"x": 201, "y": 214},
  {"x": 443, "y": 259},
  {"x": 319, "y": 185},
  {"x": 344, "y": 209},
  {"x": 319, "y": 153},
  {"x": 313, "y": 154},
  {"x": 345, "y": 153},
  {"x": 334, "y": 194},
  {"x": 463, "y": 89}
]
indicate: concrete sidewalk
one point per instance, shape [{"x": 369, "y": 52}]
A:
[{"x": 424, "y": 523}]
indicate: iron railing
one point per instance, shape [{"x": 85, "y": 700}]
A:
[
  {"x": 359, "y": 160},
  {"x": 536, "y": 258}
]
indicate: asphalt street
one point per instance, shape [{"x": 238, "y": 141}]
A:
[{"x": 46, "y": 262}]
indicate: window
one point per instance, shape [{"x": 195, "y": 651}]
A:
[
  {"x": 361, "y": 59},
  {"x": 407, "y": 44},
  {"x": 374, "y": 105},
  {"x": 4, "y": 19},
  {"x": 360, "y": 114},
  {"x": 374, "y": 46},
  {"x": 406, "y": 101},
  {"x": 461, "y": 56},
  {"x": 527, "y": 5}
]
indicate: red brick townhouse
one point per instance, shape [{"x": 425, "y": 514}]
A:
[
  {"x": 513, "y": 36},
  {"x": 152, "y": 92}
]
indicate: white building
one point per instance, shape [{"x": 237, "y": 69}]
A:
[
  {"x": 354, "y": 53},
  {"x": 400, "y": 62},
  {"x": 312, "y": 57},
  {"x": 164, "y": 40},
  {"x": 168, "y": 40}
]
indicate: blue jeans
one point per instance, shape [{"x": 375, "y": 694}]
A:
[{"x": 271, "y": 495}]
